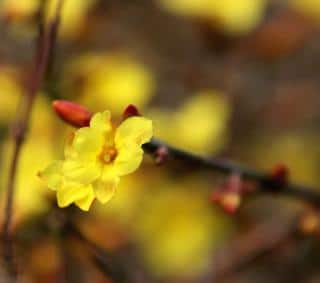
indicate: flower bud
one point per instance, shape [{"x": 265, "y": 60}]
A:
[
  {"x": 161, "y": 155},
  {"x": 280, "y": 175},
  {"x": 130, "y": 111},
  {"x": 229, "y": 194},
  {"x": 72, "y": 113}
]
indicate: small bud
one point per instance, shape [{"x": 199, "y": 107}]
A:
[
  {"x": 72, "y": 113},
  {"x": 161, "y": 155},
  {"x": 130, "y": 111},
  {"x": 309, "y": 223},
  {"x": 229, "y": 194},
  {"x": 280, "y": 175},
  {"x": 229, "y": 201}
]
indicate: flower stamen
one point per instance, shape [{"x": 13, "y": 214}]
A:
[{"x": 108, "y": 154}]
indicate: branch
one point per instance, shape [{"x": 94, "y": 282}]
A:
[
  {"x": 102, "y": 259},
  {"x": 275, "y": 182},
  {"x": 45, "y": 42},
  {"x": 246, "y": 249},
  {"x": 265, "y": 182}
]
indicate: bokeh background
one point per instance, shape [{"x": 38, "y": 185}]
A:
[{"x": 224, "y": 78}]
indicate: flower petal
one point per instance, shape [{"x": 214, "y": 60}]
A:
[
  {"x": 87, "y": 143},
  {"x": 104, "y": 188},
  {"x": 101, "y": 122},
  {"x": 128, "y": 159},
  {"x": 70, "y": 192},
  {"x": 69, "y": 151},
  {"x": 52, "y": 175},
  {"x": 137, "y": 130},
  {"x": 86, "y": 202},
  {"x": 81, "y": 172}
]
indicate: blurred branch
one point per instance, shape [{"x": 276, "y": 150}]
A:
[
  {"x": 45, "y": 44},
  {"x": 102, "y": 259},
  {"x": 246, "y": 249},
  {"x": 265, "y": 182}
]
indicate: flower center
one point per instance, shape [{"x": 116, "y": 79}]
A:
[{"x": 108, "y": 154}]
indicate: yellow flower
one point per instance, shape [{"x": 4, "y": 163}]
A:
[
  {"x": 233, "y": 16},
  {"x": 309, "y": 8},
  {"x": 183, "y": 227},
  {"x": 110, "y": 79},
  {"x": 10, "y": 93},
  {"x": 74, "y": 14},
  {"x": 95, "y": 159},
  {"x": 237, "y": 17},
  {"x": 199, "y": 125},
  {"x": 30, "y": 198}
]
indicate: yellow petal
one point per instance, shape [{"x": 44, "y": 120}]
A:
[
  {"x": 86, "y": 202},
  {"x": 87, "y": 143},
  {"x": 105, "y": 187},
  {"x": 52, "y": 175},
  {"x": 137, "y": 130},
  {"x": 71, "y": 192},
  {"x": 128, "y": 159},
  {"x": 101, "y": 122},
  {"x": 69, "y": 151},
  {"x": 81, "y": 172}
]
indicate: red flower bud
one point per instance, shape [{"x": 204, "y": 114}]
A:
[
  {"x": 72, "y": 113},
  {"x": 130, "y": 111},
  {"x": 229, "y": 194},
  {"x": 229, "y": 201},
  {"x": 161, "y": 155},
  {"x": 280, "y": 174}
]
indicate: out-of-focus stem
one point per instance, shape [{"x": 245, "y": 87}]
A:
[
  {"x": 266, "y": 182},
  {"x": 45, "y": 43}
]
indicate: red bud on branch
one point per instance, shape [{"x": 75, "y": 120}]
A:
[
  {"x": 72, "y": 113},
  {"x": 161, "y": 155},
  {"x": 280, "y": 175},
  {"x": 130, "y": 111},
  {"x": 228, "y": 196}
]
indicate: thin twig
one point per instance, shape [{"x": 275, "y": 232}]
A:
[
  {"x": 45, "y": 43},
  {"x": 260, "y": 241},
  {"x": 106, "y": 262},
  {"x": 266, "y": 183}
]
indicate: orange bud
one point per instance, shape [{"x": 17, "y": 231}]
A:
[
  {"x": 229, "y": 194},
  {"x": 229, "y": 201},
  {"x": 72, "y": 113}
]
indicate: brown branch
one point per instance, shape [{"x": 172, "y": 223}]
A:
[
  {"x": 106, "y": 262},
  {"x": 265, "y": 182},
  {"x": 45, "y": 42},
  {"x": 260, "y": 241},
  {"x": 273, "y": 182}
]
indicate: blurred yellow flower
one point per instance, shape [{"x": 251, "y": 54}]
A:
[
  {"x": 309, "y": 8},
  {"x": 10, "y": 93},
  {"x": 73, "y": 14},
  {"x": 200, "y": 125},
  {"x": 178, "y": 230},
  {"x": 186, "y": 7},
  {"x": 95, "y": 158},
  {"x": 299, "y": 152},
  {"x": 126, "y": 202},
  {"x": 233, "y": 16},
  {"x": 237, "y": 16},
  {"x": 14, "y": 10},
  {"x": 113, "y": 81},
  {"x": 30, "y": 197}
]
